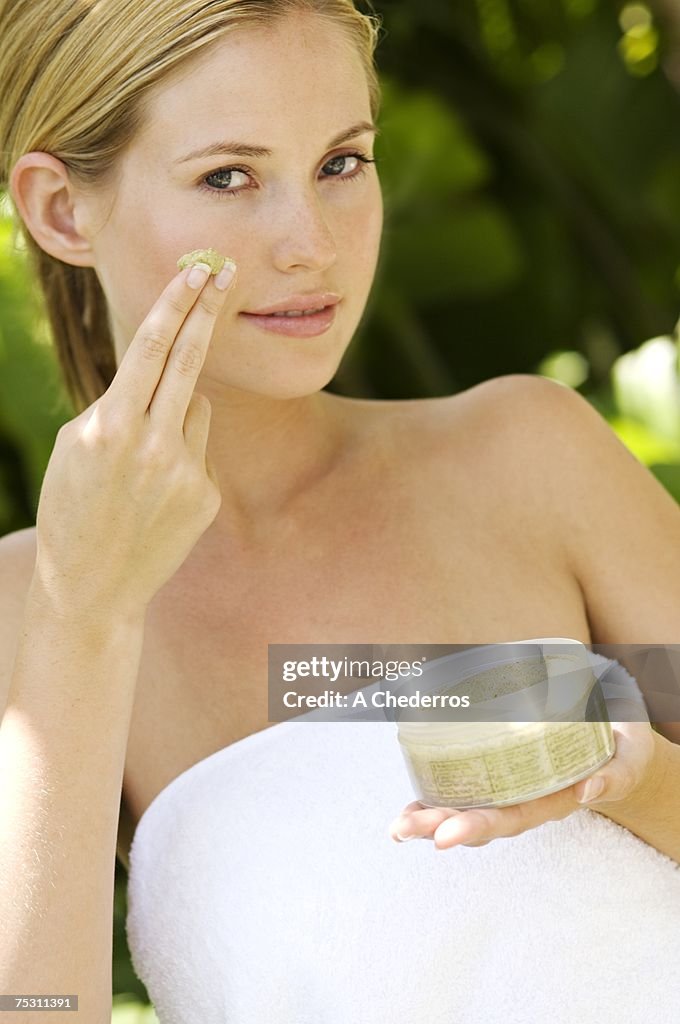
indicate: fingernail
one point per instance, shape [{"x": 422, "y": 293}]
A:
[
  {"x": 198, "y": 275},
  {"x": 225, "y": 276},
  {"x": 404, "y": 839},
  {"x": 592, "y": 789}
]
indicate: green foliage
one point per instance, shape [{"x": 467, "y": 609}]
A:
[
  {"x": 132, "y": 1012},
  {"x": 646, "y": 387},
  {"x": 539, "y": 215},
  {"x": 32, "y": 405},
  {"x": 126, "y": 984},
  {"x": 442, "y": 238}
]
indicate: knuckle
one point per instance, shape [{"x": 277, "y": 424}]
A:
[
  {"x": 106, "y": 422},
  {"x": 188, "y": 359},
  {"x": 627, "y": 781},
  {"x": 155, "y": 452},
  {"x": 176, "y": 306},
  {"x": 103, "y": 429},
  {"x": 201, "y": 404},
  {"x": 66, "y": 431},
  {"x": 210, "y": 303},
  {"x": 154, "y": 344}
]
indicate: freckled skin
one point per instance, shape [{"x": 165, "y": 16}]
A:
[{"x": 208, "y": 256}]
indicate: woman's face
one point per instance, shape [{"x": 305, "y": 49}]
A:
[{"x": 300, "y": 220}]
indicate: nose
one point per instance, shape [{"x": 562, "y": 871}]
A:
[{"x": 302, "y": 236}]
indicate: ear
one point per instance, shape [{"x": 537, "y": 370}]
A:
[{"x": 51, "y": 208}]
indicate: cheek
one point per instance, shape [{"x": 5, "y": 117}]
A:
[
  {"x": 141, "y": 260},
  {"x": 367, "y": 224},
  {"x": 362, "y": 233}
]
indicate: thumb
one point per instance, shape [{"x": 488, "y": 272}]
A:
[{"x": 626, "y": 771}]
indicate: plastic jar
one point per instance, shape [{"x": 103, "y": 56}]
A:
[{"x": 495, "y": 762}]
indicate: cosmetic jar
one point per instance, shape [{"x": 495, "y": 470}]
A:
[{"x": 493, "y": 759}]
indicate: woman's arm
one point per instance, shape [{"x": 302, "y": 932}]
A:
[
  {"x": 63, "y": 737},
  {"x": 618, "y": 533}
]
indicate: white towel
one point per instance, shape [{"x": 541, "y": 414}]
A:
[{"x": 264, "y": 889}]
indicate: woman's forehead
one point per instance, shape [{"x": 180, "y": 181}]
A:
[
  {"x": 308, "y": 44},
  {"x": 294, "y": 92}
]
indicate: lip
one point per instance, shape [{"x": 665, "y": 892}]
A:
[
  {"x": 295, "y": 327},
  {"x": 298, "y": 302}
]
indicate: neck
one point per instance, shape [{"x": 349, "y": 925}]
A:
[{"x": 267, "y": 454}]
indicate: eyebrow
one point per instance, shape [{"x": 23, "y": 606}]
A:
[{"x": 244, "y": 149}]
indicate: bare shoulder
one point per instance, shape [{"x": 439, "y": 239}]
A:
[
  {"x": 523, "y": 395},
  {"x": 17, "y": 561},
  {"x": 619, "y": 527},
  {"x": 556, "y": 467},
  {"x": 512, "y": 415},
  {"x": 494, "y": 426}
]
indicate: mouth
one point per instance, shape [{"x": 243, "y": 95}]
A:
[
  {"x": 296, "y": 323},
  {"x": 293, "y": 314}
]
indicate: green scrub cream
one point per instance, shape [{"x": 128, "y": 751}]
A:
[{"x": 208, "y": 256}]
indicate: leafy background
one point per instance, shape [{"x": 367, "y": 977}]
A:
[{"x": 530, "y": 162}]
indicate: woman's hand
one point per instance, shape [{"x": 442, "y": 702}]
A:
[
  {"x": 129, "y": 489},
  {"x": 623, "y": 779}
]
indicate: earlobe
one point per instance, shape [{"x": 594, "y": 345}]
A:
[{"x": 47, "y": 204}]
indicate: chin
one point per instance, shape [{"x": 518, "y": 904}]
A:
[
  {"x": 277, "y": 386},
  {"x": 281, "y": 371}
]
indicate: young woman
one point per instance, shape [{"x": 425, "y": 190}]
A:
[{"x": 210, "y": 498}]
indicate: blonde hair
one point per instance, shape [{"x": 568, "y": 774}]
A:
[{"x": 75, "y": 77}]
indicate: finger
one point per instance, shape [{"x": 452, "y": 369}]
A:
[
  {"x": 482, "y": 824},
  {"x": 420, "y": 823},
  {"x": 623, "y": 773},
  {"x": 171, "y": 400},
  {"x": 142, "y": 365},
  {"x": 475, "y": 828},
  {"x": 197, "y": 425}
]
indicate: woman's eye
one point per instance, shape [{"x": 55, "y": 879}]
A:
[
  {"x": 219, "y": 182},
  {"x": 221, "y": 179}
]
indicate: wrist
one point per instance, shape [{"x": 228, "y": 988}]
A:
[
  {"x": 646, "y": 792},
  {"x": 45, "y": 603}
]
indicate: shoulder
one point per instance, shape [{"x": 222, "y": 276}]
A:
[
  {"x": 618, "y": 526},
  {"x": 491, "y": 428},
  {"x": 501, "y": 402},
  {"x": 498, "y": 426},
  {"x": 544, "y": 432},
  {"x": 521, "y": 409},
  {"x": 513, "y": 406},
  {"x": 543, "y": 452}
]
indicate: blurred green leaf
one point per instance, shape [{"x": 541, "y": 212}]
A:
[
  {"x": 669, "y": 476},
  {"x": 439, "y": 254},
  {"x": 32, "y": 400},
  {"x": 131, "y": 1012},
  {"x": 647, "y": 446},
  {"x": 646, "y": 387},
  {"x": 425, "y": 151}
]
